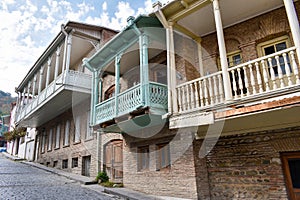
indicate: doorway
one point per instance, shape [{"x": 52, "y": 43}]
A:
[
  {"x": 291, "y": 169},
  {"x": 114, "y": 160},
  {"x": 86, "y": 163}
]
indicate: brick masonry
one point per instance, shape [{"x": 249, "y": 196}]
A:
[
  {"x": 244, "y": 166},
  {"x": 248, "y": 166},
  {"x": 87, "y": 146}
]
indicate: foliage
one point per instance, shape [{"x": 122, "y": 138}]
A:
[
  {"x": 102, "y": 176},
  {"x": 14, "y": 134},
  {"x": 111, "y": 184},
  {"x": 5, "y": 102}
]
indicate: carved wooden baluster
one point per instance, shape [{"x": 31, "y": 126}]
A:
[
  {"x": 221, "y": 93},
  {"x": 192, "y": 96},
  {"x": 259, "y": 81},
  {"x": 246, "y": 81},
  {"x": 211, "y": 92},
  {"x": 252, "y": 79},
  {"x": 188, "y": 100},
  {"x": 295, "y": 67},
  {"x": 273, "y": 77},
  {"x": 178, "y": 90},
  {"x": 240, "y": 81},
  {"x": 234, "y": 88},
  {"x": 205, "y": 92},
  {"x": 216, "y": 89},
  {"x": 265, "y": 75},
  {"x": 287, "y": 69},
  {"x": 196, "y": 94},
  {"x": 201, "y": 93},
  {"x": 280, "y": 74}
]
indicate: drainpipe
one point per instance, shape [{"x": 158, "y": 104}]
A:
[{"x": 65, "y": 47}]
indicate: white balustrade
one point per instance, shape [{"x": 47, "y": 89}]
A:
[
  {"x": 72, "y": 78},
  {"x": 200, "y": 93},
  {"x": 256, "y": 77}
]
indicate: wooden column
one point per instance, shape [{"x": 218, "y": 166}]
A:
[
  {"x": 222, "y": 50},
  {"x": 57, "y": 63}
]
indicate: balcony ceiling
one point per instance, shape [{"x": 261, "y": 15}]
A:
[
  {"x": 126, "y": 44},
  {"x": 60, "y": 103},
  {"x": 200, "y": 21}
]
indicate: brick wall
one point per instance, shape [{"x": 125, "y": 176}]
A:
[
  {"x": 178, "y": 180},
  {"x": 87, "y": 146},
  {"x": 242, "y": 37},
  {"x": 248, "y": 166}
]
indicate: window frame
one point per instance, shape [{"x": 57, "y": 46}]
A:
[
  {"x": 74, "y": 162},
  {"x": 77, "y": 132},
  {"x": 260, "y": 47},
  {"x": 50, "y": 138},
  {"x": 57, "y": 137},
  {"x": 64, "y": 164},
  {"x": 163, "y": 150},
  {"x": 67, "y": 133},
  {"x": 143, "y": 154}
]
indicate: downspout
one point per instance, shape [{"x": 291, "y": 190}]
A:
[
  {"x": 94, "y": 99},
  {"x": 65, "y": 47}
]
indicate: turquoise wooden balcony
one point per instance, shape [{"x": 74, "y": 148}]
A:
[
  {"x": 131, "y": 100},
  {"x": 134, "y": 62}
]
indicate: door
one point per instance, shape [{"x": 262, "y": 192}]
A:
[
  {"x": 86, "y": 163},
  {"x": 291, "y": 168},
  {"x": 114, "y": 160}
]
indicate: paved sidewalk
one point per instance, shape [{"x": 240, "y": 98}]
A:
[{"x": 89, "y": 182}]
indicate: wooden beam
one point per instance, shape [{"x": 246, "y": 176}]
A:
[
  {"x": 188, "y": 10},
  {"x": 187, "y": 32}
]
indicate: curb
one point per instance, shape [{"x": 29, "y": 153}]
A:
[{"x": 75, "y": 177}]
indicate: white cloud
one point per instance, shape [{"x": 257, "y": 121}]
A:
[{"x": 104, "y": 6}]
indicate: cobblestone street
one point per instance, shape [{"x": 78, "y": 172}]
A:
[{"x": 21, "y": 181}]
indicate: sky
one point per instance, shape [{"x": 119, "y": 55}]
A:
[{"x": 28, "y": 26}]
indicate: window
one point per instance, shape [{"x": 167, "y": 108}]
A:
[
  {"x": 291, "y": 169},
  {"x": 110, "y": 92},
  {"x": 88, "y": 129},
  {"x": 74, "y": 162},
  {"x": 65, "y": 164},
  {"x": 67, "y": 133},
  {"x": 143, "y": 158},
  {"x": 234, "y": 59},
  {"x": 163, "y": 156},
  {"x": 55, "y": 163},
  {"x": 77, "y": 129},
  {"x": 57, "y": 136},
  {"x": 43, "y": 141},
  {"x": 50, "y": 140},
  {"x": 274, "y": 46}
]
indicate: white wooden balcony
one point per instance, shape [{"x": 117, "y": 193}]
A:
[
  {"x": 266, "y": 77},
  {"x": 59, "y": 96}
]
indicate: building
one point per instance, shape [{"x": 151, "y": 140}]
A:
[
  {"x": 4, "y": 125},
  {"x": 54, "y": 101},
  {"x": 200, "y": 100}
]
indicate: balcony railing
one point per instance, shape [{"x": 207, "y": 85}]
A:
[
  {"x": 131, "y": 100},
  {"x": 257, "y": 77},
  {"x": 69, "y": 78}
]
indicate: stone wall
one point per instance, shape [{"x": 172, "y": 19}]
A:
[{"x": 248, "y": 166}]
